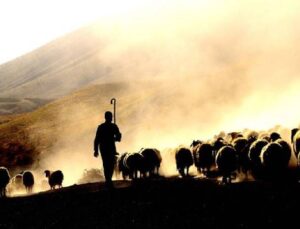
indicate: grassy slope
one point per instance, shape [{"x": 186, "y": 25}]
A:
[
  {"x": 25, "y": 136},
  {"x": 9, "y": 106},
  {"x": 166, "y": 203}
]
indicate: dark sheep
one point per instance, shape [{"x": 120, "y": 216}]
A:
[
  {"x": 152, "y": 161},
  {"x": 241, "y": 145},
  {"x": 54, "y": 178},
  {"x": 196, "y": 143},
  {"x": 255, "y": 151},
  {"x": 234, "y": 135},
  {"x": 272, "y": 156},
  {"x": 226, "y": 161},
  {"x": 274, "y": 160},
  {"x": 204, "y": 158},
  {"x": 28, "y": 181},
  {"x": 4, "y": 180},
  {"x": 274, "y": 136},
  {"x": 286, "y": 150},
  {"x": 134, "y": 162},
  {"x": 184, "y": 160},
  {"x": 194, "y": 148},
  {"x": 217, "y": 145},
  {"x": 254, "y": 156},
  {"x": 122, "y": 166}
]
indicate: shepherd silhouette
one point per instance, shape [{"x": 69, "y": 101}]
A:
[{"x": 106, "y": 136}]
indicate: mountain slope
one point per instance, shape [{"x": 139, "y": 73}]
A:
[
  {"x": 149, "y": 114},
  {"x": 73, "y": 119},
  {"x": 55, "y": 69}
]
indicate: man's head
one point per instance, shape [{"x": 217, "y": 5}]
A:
[{"x": 108, "y": 116}]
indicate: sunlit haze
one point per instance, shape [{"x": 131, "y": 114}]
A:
[
  {"x": 223, "y": 65},
  {"x": 26, "y": 25}
]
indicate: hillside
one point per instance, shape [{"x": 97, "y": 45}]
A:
[
  {"x": 165, "y": 203},
  {"x": 149, "y": 114},
  {"x": 68, "y": 125},
  {"x": 9, "y": 106},
  {"x": 55, "y": 69}
]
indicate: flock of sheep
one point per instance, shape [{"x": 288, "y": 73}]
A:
[
  {"x": 26, "y": 180},
  {"x": 263, "y": 156}
]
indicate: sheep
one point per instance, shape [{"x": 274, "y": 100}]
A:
[
  {"x": 241, "y": 145},
  {"x": 184, "y": 160},
  {"x": 274, "y": 136},
  {"x": 203, "y": 157},
  {"x": 274, "y": 160},
  {"x": 226, "y": 161},
  {"x": 295, "y": 139},
  {"x": 234, "y": 135},
  {"x": 254, "y": 157},
  {"x": 252, "y": 136},
  {"x": 4, "y": 180},
  {"x": 152, "y": 161},
  {"x": 255, "y": 150},
  {"x": 272, "y": 155},
  {"x": 54, "y": 178},
  {"x": 122, "y": 167},
  {"x": 28, "y": 181},
  {"x": 217, "y": 145},
  {"x": 286, "y": 150},
  {"x": 16, "y": 183},
  {"x": 194, "y": 148},
  {"x": 134, "y": 162}
]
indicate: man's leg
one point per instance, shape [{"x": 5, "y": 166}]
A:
[{"x": 108, "y": 165}]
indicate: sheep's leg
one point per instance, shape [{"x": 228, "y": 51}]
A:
[
  {"x": 224, "y": 179},
  {"x": 181, "y": 172},
  {"x": 135, "y": 174}
]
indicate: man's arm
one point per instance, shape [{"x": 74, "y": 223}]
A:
[
  {"x": 96, "y": 143},
  {"x": 118, "y": 134}
]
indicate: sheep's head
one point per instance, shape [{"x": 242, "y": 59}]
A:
[
  {"x": 47, "y": 173},
  {"x": 196, "y": 142},
  {"x": 274, "y": 136}
]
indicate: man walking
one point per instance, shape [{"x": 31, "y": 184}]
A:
[{"x": 106, "y": 136}]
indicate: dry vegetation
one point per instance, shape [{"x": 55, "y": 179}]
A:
[{"x": 28, "y": 137}]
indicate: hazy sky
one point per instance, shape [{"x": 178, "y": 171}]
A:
[{"x": 26, "y": 25}]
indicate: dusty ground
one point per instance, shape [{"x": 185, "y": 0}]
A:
[{"x": 161, "y": 203}]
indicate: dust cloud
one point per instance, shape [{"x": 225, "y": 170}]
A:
[{"x": 190, "y": 70}]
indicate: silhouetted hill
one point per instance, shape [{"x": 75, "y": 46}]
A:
[{"x": 165, "y": 203}]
